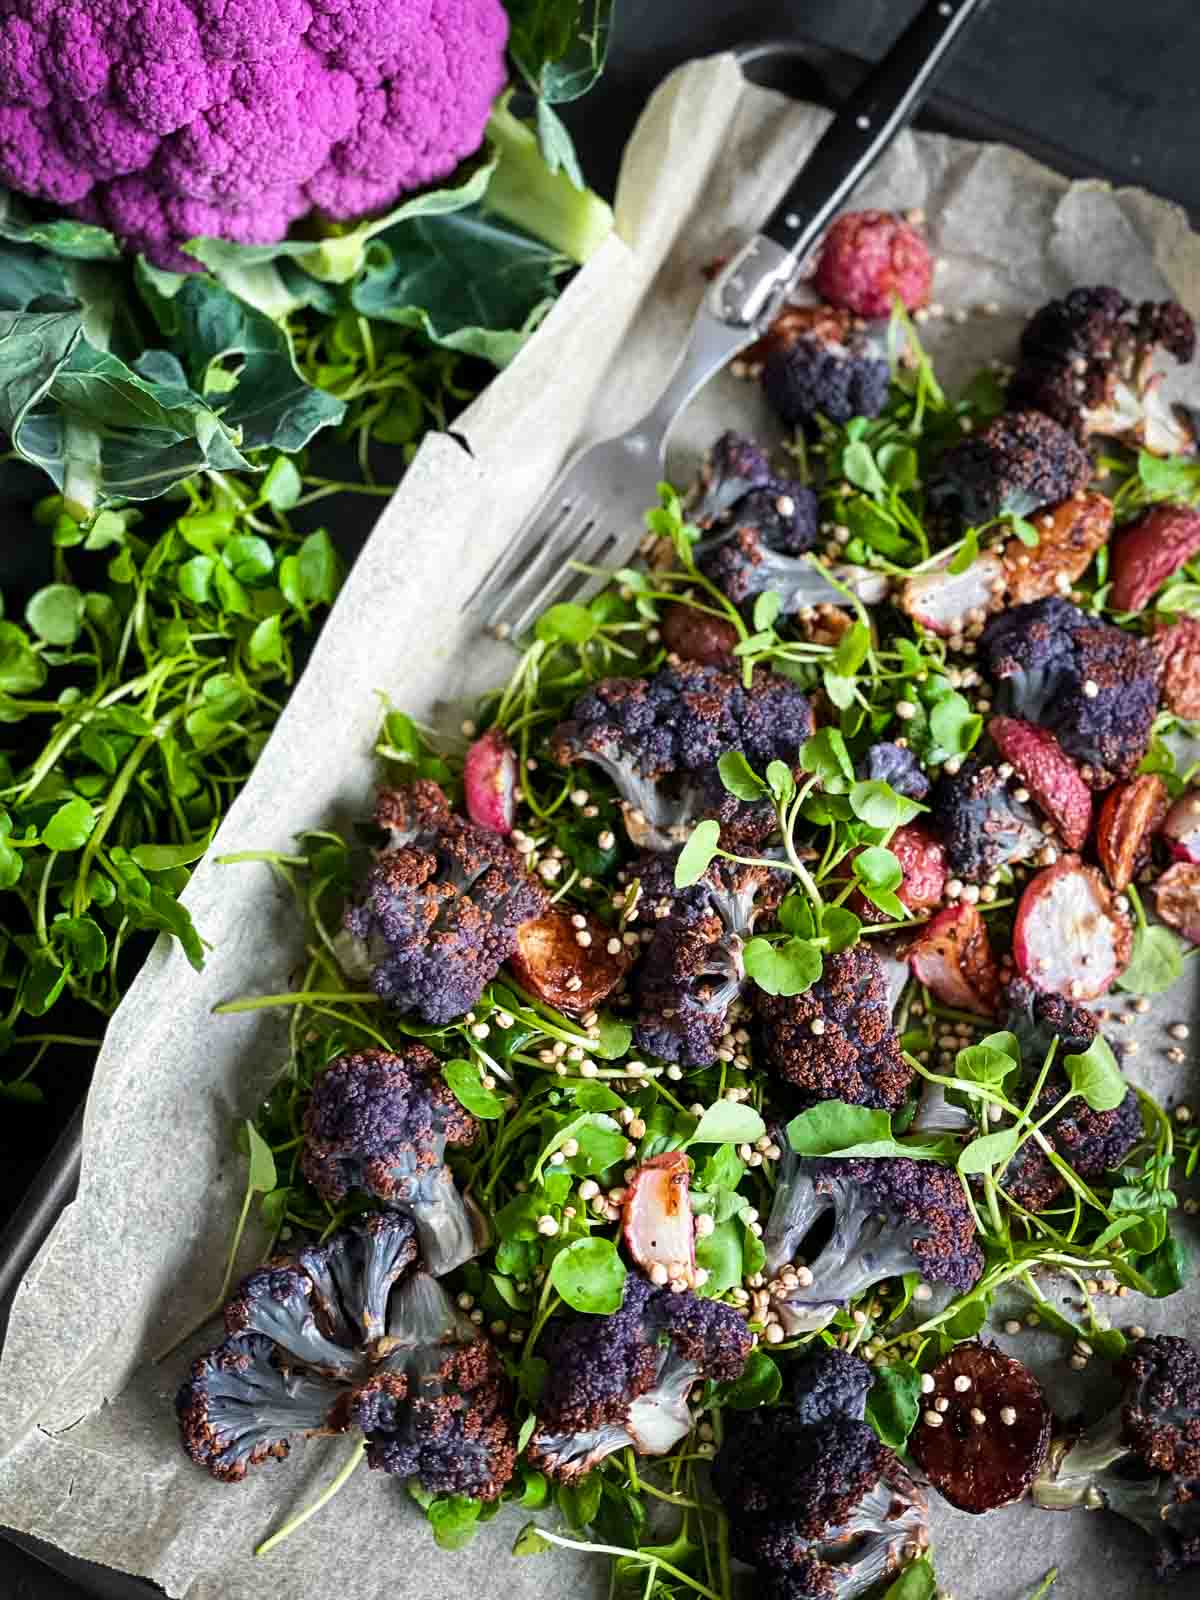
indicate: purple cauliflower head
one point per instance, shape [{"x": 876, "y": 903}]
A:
[{"x": 168, "y": 119}]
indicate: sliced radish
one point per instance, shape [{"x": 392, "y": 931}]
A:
[
  {"x": 944, "y": 601},
  {"x": 1049, "y": 774},
  {"x": 1131, "y": 814},
  {"x": 1147, "y": 552},
  {"x": 657, "y": 1217},
  {"x": 952, "y": 957},
  {"x": 1181, "y": 829},
  {"x": 991, "y": 1429},
  {"x": 1177, "y": 897},
  {"x": 551, "y": 962},
  {"x": 490, "y": 780},
  {"x": 1069, "y": 937}
]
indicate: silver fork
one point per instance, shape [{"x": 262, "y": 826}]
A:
[{"x": 592, "y": 513}]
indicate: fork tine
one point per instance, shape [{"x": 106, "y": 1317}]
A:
[
  {"x": 556, "y": 584},
  {"x": 541, "y": 527},
  {"x": 594, "y": 549},
  {"x": 529, "y": 593}
]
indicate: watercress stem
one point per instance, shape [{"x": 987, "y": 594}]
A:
[{"x": 355, "y": 1457}]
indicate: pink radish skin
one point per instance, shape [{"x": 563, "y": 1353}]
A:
[
  {"x": 657, "y": 1217},
  {"x": 1181, "y": 828},
  {"x": 952, "y": 957},
  {"x": 1068, "y": 938},
  {"x": 490, "y": 779}
]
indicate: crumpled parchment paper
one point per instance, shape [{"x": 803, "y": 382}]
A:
[{"x": 89, "y": 1457}]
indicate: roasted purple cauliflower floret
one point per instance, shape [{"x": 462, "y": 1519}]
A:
[
  {"x": 1091, "y": 683},
  {"x": 1093, "y": 1142},
  {"x": 349, "y": 1335},
  {"x": 241, "y": 1405},
  {"x": 762, "y": 548},
  {"x": 1020, "y": 461},
  {"x": 890, "y": 1215},
  {"x": 440, "y": 1409},
  {"x": 622, "y": 1381},
  {"x": 1037, "y": 1020},
  {"x": 1142, "y": 1460},
  {"x": 856, "y": 1057},
  {"x": 691, "y": 972},
  {"x": 822, "y": 362},
  {"x": 831, "y": 1383},
  {"x": 980, "y": 822},
  {"x": 659, "y": 740},
  {"x": 1088, "y": 360},
  {"x": 757, "y": 528},
  {"x": 331, "y": 1303},
  {"x": 439, "y": 911},
  {"x": 816, "y": 1502},
  {"x": 381, "y": 1123},
  {"x": 895, "y": 765},
  {"x": 733, "y": 466}
]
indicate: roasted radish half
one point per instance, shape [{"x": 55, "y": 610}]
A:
[
  {"x": 1069, "y": 937},
  {"x": 657, "y": 1219},
  {"x": 490, "y": 782},
  {"x": 568, "y": 965},
  {"x": 984, "y": 1429},
  {"x": 1049, "y": 774},
  {"x": 1181, "y": 829},
  {"x": 952, "y": 957}
]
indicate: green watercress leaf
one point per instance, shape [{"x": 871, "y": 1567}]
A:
[
  {"x": 529, "y": 1542},
  {"x": 589, "y": 1275},
  {"x": 697, "y": 853},
  {"x": 571, "y": 624},
  {"x": 916, "y": 1582},
  {"x": 470, "y": 1091},
  {"x": 787, "y": 968},
  {"x": 262, "y": 1176},
  {"x": 728, "y": 1122},
  {"x": 894, "y": 1402},
  {"x": 70, "y": 826},
  {"x": 989, "y": 1151},
  {"x": 1155, "y": 962},
  {"x": 453, "y": 1518},
  {"x": 1096, "y": 1075},
  {"x": 56, "y": 613},
  {"x": 739, "y": 778},
  {"x": 767, "y": 607},
  {"x": 879, "y": 805},
  {"x": 760, "y": 1384}
]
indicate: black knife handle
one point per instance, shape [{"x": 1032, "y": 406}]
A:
[{"x": 868, "y": 122}]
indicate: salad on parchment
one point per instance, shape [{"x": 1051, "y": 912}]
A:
[{"x": 704, "y": 1058}]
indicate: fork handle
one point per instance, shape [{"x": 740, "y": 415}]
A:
[
  {"x": 864, "y": 126},
  {"x": 867, "y": 123}
]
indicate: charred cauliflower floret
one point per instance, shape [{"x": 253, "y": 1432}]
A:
[
  {"x": 659, "y": 740},
  {"x": 439, "y": 910},
  {"x": 1020, "y": 461},
  {"x": 1089, "y": 361}
]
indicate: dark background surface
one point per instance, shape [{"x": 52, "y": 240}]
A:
[{"x": 1112, "y": 83}]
